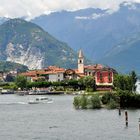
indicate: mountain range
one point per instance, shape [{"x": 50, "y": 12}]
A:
[
  {"x": 126, "y": 55},
  {"x": 110, "y": 38},
  {"x": 28, "y": 44},
  {"x": 100, "y": 33}
]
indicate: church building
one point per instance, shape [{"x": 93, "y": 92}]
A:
[{"x": 103, "y": 75}]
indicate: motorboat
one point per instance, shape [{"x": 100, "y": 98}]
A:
[{"x": 40, "y": 100}]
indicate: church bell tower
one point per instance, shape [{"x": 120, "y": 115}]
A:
[{"x": 80, "y": 62}]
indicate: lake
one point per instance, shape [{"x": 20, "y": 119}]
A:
[{"x": 60, "y": 121}]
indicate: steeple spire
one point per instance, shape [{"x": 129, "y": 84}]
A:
[
  {"x": 80, "y": 54},
  {"x": 80, "y": 61}
]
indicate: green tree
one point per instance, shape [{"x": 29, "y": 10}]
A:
[
  {"x": 88, "y": 82},
  {"x": 39, "y": 84},
  {"x": 73, "y": 83},
  {"x": 119, "y": 81},
  {"x": 81, "y": 84},
  {"x": 134, "y": 80},
  {"x": 21, "y": 82},
  {"x": 125, "y": 82}
]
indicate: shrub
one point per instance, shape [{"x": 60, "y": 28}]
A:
[
  {"x": 107, "y": 97},
  {"x": 76, "y": 102},
  {"x": 69, "y": 89},
  {"x": 59, "y": 88},
  {"x": 128, "y": 99},
  {"x": 112, "y": 104},
  {"x": 89, "y": 89},
  {"x": 87, "y": 102},
  {"x": 83, "y": 102},
  {"x": 95, "y": 102}
]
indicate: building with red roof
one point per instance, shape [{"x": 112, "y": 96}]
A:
[{"x": 103, "y": 75}]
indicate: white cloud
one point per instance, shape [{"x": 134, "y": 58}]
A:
[
  {"x": 33, "y": 8},
  {"x": 93, "y": 16}
]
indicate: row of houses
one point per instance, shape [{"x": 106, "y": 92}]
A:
[{"x": 103, "y": 75}]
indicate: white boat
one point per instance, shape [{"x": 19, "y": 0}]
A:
[
  {"x": 21, "y": 93},
  {"x": 44, "y": 92},
  {"x": 40, "y": 100}
]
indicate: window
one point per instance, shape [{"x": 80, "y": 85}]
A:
[
  {"x": 101, "y": 77},
  {"x": 109, "y": 77}
]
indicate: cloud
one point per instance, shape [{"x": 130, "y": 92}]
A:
[
  {"x": 33, "y": 8},
  {"x": 93, "y": 16}
]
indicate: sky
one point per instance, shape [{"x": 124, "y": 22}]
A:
[{"x": 34, "y": 8}]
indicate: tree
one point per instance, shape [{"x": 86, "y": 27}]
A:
[
  {"x": 21, "y": 82},
  {"x": 119, "y": 81},
  {"x": 125, "y": 82},
  {"x": 81, "y": 84},
  {"x": 134, "y": 80},
  {"x": 39, "y": 84},
  {"x": 73, "y": 83},
  {"x": 89, "y": 82}
]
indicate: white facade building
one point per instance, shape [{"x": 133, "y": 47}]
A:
[{"x": 54, "y": 77}]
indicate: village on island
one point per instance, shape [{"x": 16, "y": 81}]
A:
[
  {"x": 96, "y": 85},
  {"x": 103, "y": 75}
]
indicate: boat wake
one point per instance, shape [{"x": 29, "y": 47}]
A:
[
  {"x": 13, "y": 103},
  {"x": 38, "y": 100}
]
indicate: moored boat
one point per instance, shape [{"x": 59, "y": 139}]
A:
[
  {"x": 21, "y": 93},
  {"x": 44, "y": 92},
  {"x": 38, "y": 92},
  {"x": 5, "y": 91}
]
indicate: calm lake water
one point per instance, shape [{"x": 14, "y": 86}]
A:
[{"x": 60, "y": 121}]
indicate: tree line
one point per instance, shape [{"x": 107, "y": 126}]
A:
[
  {"x": 121, "y": 82},
  {"x": 85, "y": 83}
]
